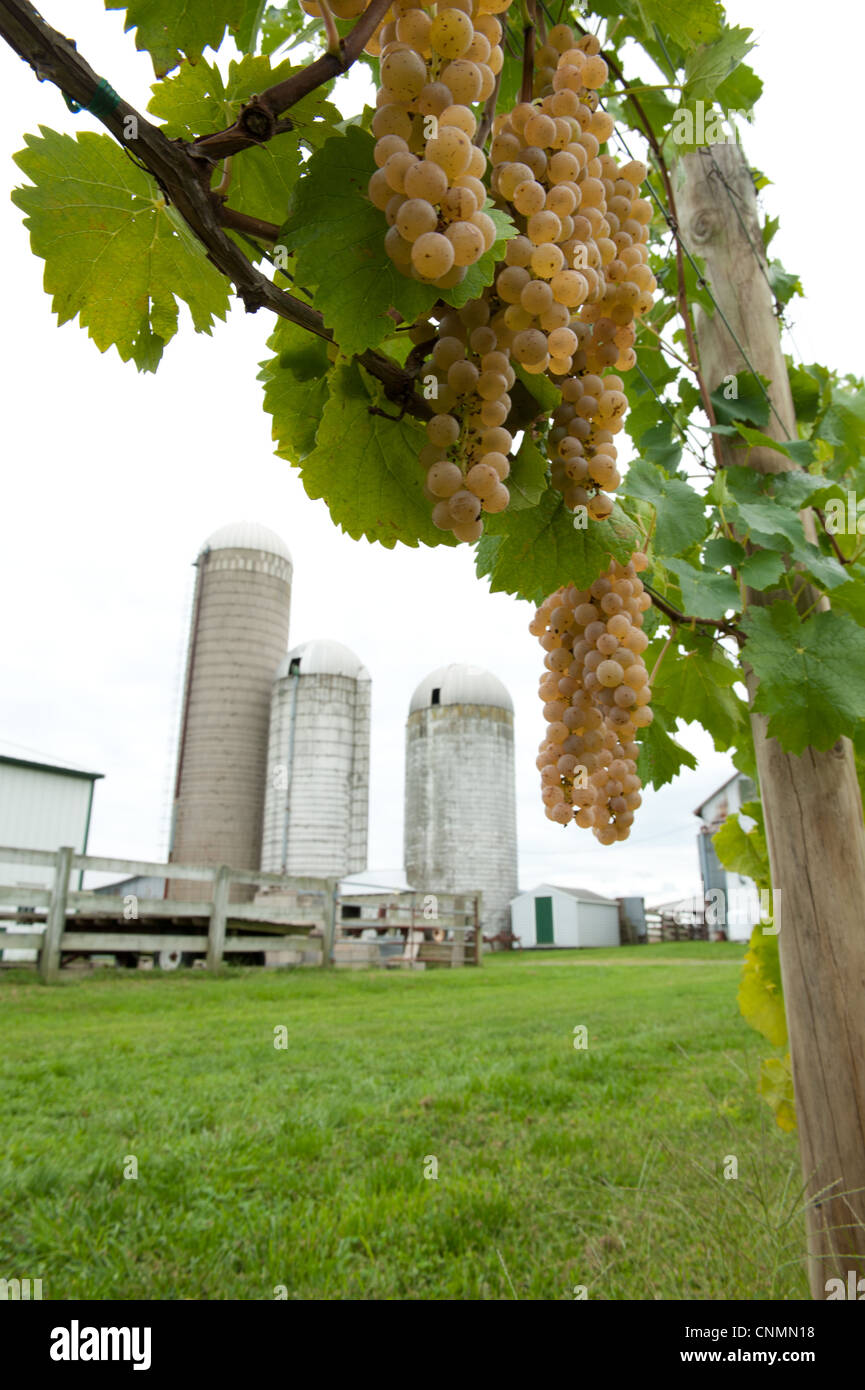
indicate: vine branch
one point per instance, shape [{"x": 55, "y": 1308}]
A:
[
  {"x": 719, "y": 624},
  {"x": 183, "y": 174}
]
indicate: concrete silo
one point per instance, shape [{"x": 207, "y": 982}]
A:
[
  {"x": 460, "y": 792},
  {"x": 239, "y": 632},
  {"x": 316, "y": 808}
]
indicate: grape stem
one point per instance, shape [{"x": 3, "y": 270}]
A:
[
  {"x": 663, "y": 652},
  {"x": 527, "y": 85},
  {"x": 832, "y": 541},
  {"x": 729, "y": 629},
  {"x": 333, "y": 44}
]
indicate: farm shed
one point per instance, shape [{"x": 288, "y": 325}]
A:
[
  {"x": 44, "y": 803},
  {"x": 550, "y": 915}
]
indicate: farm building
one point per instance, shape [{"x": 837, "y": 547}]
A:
[
  {"x": 44, "y": 803},
  {"x": 739, "y": 908},
  {"x": 550, "y": 915}
]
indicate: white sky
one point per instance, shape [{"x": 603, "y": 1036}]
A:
[{"x": 112, "y": 480}]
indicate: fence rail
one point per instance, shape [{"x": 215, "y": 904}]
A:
[
  {"x": 69, "y": 913},
  {"x": 72, "y": 919}
]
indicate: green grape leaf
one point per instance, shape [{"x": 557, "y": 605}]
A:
[
  {"x": 761, "y": 995},
  {"x": 365, "y": 467},
  {"x": 171, "y": 29},
  {"x": 539, "y": 386},
  {"x": 198, "y": 102},
  {"x": 296, "y": 388},
  {"x": 800, "y": 450},
  {"x": 689, "y": 21},
  {"x": 249, "y": 27},
  {"x": 776, "y": 1088},
  {"x": 483, "y": 272},
  {"x": 762, "y": 569},
  {"x": 741, "y": 398},
  {"x": 743, "y": 851},
  {"x": 843, "y": 426},
  {"x": 338, "y": 237},
  {"x": 115, "y": 254},
  {"x": 531, "y": 553},
  {"x": 783, "y": 282},
  {"x": 850, "y": 598},
  {"x": 696, "y": 686},
  {"x": 811, "y": 674},
  {"x": 807, "y": 391},
  {"x": 706, "y": 67},
  {"x": 527, "y": 479},
  {"x": 704, "y": 595},
  {"x": 661, "y": 757},
  {"x": 752, "y": 511},
  {"x": 721, "y": 552},
  {"x": 740, "y": 91},
  {"x": 680, "y": 510}
]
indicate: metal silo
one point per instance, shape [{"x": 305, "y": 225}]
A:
[
  {"x": 316, "y": 808},
  {"x": 460, "y": 793},
  {"x": 239, "y": 632}
]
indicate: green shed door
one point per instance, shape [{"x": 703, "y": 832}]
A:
[{"x": 544, "y": 921}]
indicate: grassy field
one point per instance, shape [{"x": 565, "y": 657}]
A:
[{"x": 304, "y": 1166}]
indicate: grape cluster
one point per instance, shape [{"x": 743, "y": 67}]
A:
[
  {"x": 596, "y": 695},
  {"x": 433, "y": 68},
  {"x": 466, "y": 458},
  {"x": 577, "y": 276}
]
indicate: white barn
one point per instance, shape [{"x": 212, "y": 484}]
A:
[
  {"x": 44, "y": 803},
  {"x": 550, "y": 915}
]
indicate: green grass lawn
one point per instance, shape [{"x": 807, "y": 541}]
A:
[{"x": 304, "y": 1166}]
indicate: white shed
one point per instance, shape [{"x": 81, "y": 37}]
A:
[
  {"x": 550, "y": 915},
  {"x": 44, "y": 803}
]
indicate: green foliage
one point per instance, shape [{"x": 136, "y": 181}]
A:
[
  {"x": 744, "y": 851},
  {"x": 811, "y": 674},
  {"x": 696, "y": 685},
  {"x": 707, "y": 67},
  {"x": 199, "y": 101},
  {"x": 535, "y": 550},
  {"x": 761, "y": 996},
  {"x": 169, "y": 31},
  {"x": 296, "y": 388},
  {"x": 337, "y": 236},
  {"x": 98, "y": 222},
  {"x": 365, "y": 466},
  {"x": 661, "y": 757},
  {"x": 679, "y": 510}
]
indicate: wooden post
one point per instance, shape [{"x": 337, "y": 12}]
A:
[
  {"x": 218, "y": 915},
  {"x": 479, "y": 937},
  {"x": 812, "y": 805},
  {"x": 49, "y": 956},
  {"x": 329, "y": 922}
]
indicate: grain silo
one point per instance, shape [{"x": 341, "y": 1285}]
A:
[
  {"x": 316, "y": 808},
  {"x": 460, "y": 794},
  {"x": 239, "y": 633}
]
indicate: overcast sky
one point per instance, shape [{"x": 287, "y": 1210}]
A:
[{"x": 112, "y": 480}]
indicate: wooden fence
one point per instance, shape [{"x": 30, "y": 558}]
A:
[
  {"x": 76, "y": 921},
  {"x": 441, "y": 929}
]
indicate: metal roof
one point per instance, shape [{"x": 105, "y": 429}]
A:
[
  {"x": 461, "y": 685},
  {"x": 15, "y": 755},
  {"x": 247, "y": 535},
  {"x": 581, "y": 894},
  {"x": 324, "y": 658}
]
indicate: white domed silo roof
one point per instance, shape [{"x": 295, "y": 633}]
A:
[
  {"x": 247, "y": 535},
  {"x": 324, "y": 658},
  {"x": 461, "y": 685}
]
